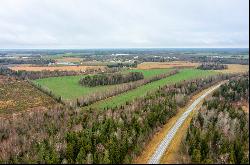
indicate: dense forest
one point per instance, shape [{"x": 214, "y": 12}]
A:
[
  {"x": 110, "y": 79},
  {"x": 219, "y": 133},
  {"x": 69, "y": 135},
  {"x": 212, "y": 66}
]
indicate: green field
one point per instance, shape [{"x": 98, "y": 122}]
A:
[
  {"x": 148, "y": 73},
  {"x": 68, "y": 87},
  {"x": 185, "y": 74}
]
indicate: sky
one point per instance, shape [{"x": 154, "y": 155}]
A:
[{"x": 79, "y": 24}]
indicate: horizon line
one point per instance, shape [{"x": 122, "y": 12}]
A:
[{"x": 125, "y": 48}]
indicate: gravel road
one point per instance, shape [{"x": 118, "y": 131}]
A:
[{"x": 162, "y": 147}]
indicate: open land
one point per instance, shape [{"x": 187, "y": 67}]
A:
[
  {"x": 68, "y": 59},
  {"x": 68, "y": 87},
  {"x": 17, "y": 96},
  {"x": 235, "y": 68},
  {"x": 151, "y": 65},
  {"x": 185, "y": 74}
]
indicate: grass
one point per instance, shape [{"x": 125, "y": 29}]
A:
[
  {"x": 68, "y": 87},
  {"x": 150, "y": 72},
  {"x": 185, "y": 74}
]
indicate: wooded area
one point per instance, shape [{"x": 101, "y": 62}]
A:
[
  {"x": 219, "y": 134},
  {"x": 117, "y": 135},
  {"x": 212, "y": 66},
  {"x": 110, "y": 79}
]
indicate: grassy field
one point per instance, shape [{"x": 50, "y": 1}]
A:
[
  {"x": 68, "y": 87},
  {"x": 17, "y": 96},
  {"x": 150, "y": 72},
  {"x": 121, "y": 99}
]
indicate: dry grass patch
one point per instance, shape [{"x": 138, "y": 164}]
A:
[
  {"x": 18, "y": 96},
  {"x": 68, "y": 59},
  {"x": 235, "y": 68},
  {"x": 172, "y": 64}
]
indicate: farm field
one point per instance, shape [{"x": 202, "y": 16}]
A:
[
  {"x": 17, "y": 96},
  {"x": 141, "y": 91},
  {"x": 68, "y": 87},
  {"x": 68, "y": 59},
  {"x": 149, "y": 72},
  {"x": 52, "y": 68},
  {"x": 152, "y": 65},
  {"x": 235, "y": 68}
]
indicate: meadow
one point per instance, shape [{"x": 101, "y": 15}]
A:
[
  {"x": 68, "y": 87},
  {"x": 184, "y": 74}
]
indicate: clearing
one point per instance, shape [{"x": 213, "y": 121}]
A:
[
  {"x": 235, "y": 68},
  {"x": 69, "y": 59},
  {"x": 68, "y": 87},
  {"x": 184, "y": 74},
  {"x": 17, "y": 96}
]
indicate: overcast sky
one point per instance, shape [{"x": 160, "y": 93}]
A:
[{"x": 123, "y": 23}]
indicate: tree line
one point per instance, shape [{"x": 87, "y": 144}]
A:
[
  {"x": 228, "y": 60},
  {"x": 117, "y": 135},
  {"x": 212, "y": 66},
  {"x": 121, "y": 65},
  {"x": 32, "y": 75},
  {"x": 110, "y": 79},
  {"x": 26, "y": 61},
  {"x": 220, "y": 133}
]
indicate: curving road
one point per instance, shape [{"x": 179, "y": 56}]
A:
[{"x": 155, "y": 158}]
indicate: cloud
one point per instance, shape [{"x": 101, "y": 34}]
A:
[{"x": 123, "y": 23}]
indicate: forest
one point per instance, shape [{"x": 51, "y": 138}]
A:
[
  {"x": 110, "y": 79},
  {"x": 219, "y": 133},
  {"x": 68, "y": 135}
]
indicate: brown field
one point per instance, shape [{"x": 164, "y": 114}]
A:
[
  {"x": 52, "y": 68},
  {"x": 68, "y": 59},
  {"x": 171, "y": 156},
  {"x": 235, "y": 68},
  {"x": 154, "y": 65},
  {"x": 17, "y": 96}
]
